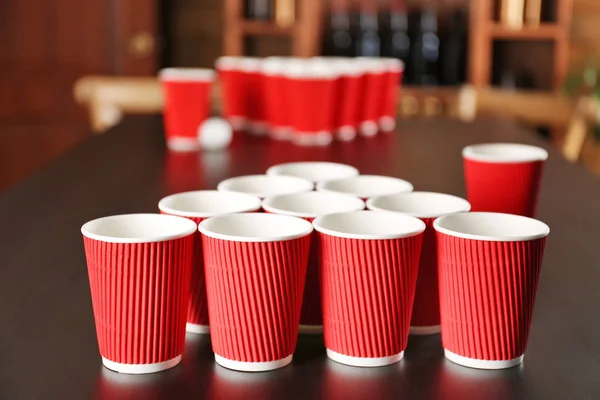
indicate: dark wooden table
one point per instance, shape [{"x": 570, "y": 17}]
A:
[{"x": 47, "y": 339}]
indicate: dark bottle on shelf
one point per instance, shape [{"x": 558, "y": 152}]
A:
[
  {"x": 453, "y": 50},
  {"x": 338, "y": 39},
  {"x": 260, "y": 10},
  {"x": 396, "y": 40},
  {"x": 368, "y": 42},
  {"x": 425, "y": 49}
]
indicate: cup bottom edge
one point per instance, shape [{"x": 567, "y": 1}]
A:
[
  {"x": 364, "y": 361},
  {"x": 141, "y": 368},
  {"x": 482, "y": 364},
  {"x": 247, "y": 366}
]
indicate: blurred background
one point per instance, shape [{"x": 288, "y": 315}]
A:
[{"x": 533, "y": 61}]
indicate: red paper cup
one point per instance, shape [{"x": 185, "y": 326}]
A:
[
  {"x": 348, "y": 98},
  {"x": 308, "y": 206},
  {"x": 369, "y": 271},
  {"x": 254, "y": 95},
  {"x": 504, "y": 177},
  {"x": 312, "y": 86},
  {"x": 233, "y": 91},
  {"x": 255, "y": 270},
  {"x": 375, "y": 83},
  {"x": 264, "y": 186},
  {"x": 366, "y": 186},
  {"x": 197, "y": 206},
  {"x": 187, "y": 94},
  {"x": 274, "y": 85},
  {"x": 316, "y": 171},
  {"x": 139, "y": 266},
  {"x": 489, "y": 268},
  {"x": 394, "y": 71},
  {"x": 426, "y": 206}
]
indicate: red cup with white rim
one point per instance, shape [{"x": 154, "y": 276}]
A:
[
  {"x": 140, "y": 321},
  {"x": 427, "y": 206},
  {"x": 348, "y": 98},
  {"x": 311, "y": 84},
  {"x": 233, "y": 91},
  {"x": 489, "y": 269},
  {"x": 504, "y": 177},
  {"x": 254, "y": 95},
  {"x": 255, "y": 271},
  {"x": 314, "y": 171},
  {"x": 187, "y": 94},
  {"x": 394, "y": 71},
  {"x": 274, "y": 86},
  {"x": 375, "y": 83},
  {"x": 198, "y": 206},
  {"x": 370, "y": 262},
  {"x": 308, "y": 206},
  {"x": 264, "y": 185},
  {"x": 366, "y": 186}
]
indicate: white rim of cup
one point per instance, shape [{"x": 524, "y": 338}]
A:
[
  {"x": 369, "y": 225},
  {"x": 208, "y": 203},
  {"x": 494, "y": 227},
  {"x": 187, "y": 74},
  {"x": 504, "y": 153},
  {"x": 366, "y": 186},
  {"x": 250, "y": 64},
  {"x": 228, "y": 63},
  {"x": 420, "y": 204},
  {"x": 255, "y": 227},
  {"x": 312, "y": 204},
  {"x": 372, "y": 65},
  {"x": 266, "y": 185},
  {"x": 273, "y": 66},
  {"x": 393, "y": 64},
  {"x": 311, "y": 68},
  {"x": 138, "y": 228},
  {"x": 314, "y": 171}
]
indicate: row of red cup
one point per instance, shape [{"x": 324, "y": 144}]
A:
[
  {"x": 310, "y": 101},
  {"x": 368, "y": 266}
]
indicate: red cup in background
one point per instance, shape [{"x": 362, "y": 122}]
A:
[
  {"x": 375, "y": 83},
  {"x": 140, "y": 318},
  {"x": 369, "y": 262},
  {"x": 233, "y": 92},
  {"x": 314, "y": 171},
  {"x": 187, "y": 94},
  {"x": 275, "y": 96},
  {"x": 263, "y": 186},
  {"x": 504, "y": 177},
  {"x": 427, "y": 206},
  {"x": 348, "y": 98},
  {"x": 255, "y": 268},
  {"x": 254, "y": 95},
  {"x": 489, "y": 269},
  {"x": 312, "y": 84},
  {"x": 394, "y": 72},
  {"x": 197, "y": 206},
  {"x": 308, "y": 206},
  {"x": 366, "y": 186}
]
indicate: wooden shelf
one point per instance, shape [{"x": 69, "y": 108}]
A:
[
  {"x": 541, "y": 32},
  {"x": 264, "y": 28}
]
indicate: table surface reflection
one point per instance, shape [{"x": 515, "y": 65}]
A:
[{"x": 47, "y": 337}]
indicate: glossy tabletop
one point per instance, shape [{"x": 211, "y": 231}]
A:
[{"x": 47, "y": 337}]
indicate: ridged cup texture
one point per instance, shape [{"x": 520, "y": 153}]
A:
[
  {"x": 426, "y": 308},
  {"x": 511, "y": 188},
  {"x": 254, "y": 292},
  {"x": 312, "y": 103},
  {"x": 368, "y": 288},
  {"x": 487, "y": 295},
  {"x": 140, "y": 294},
  {"x": 198, "y": 306}
]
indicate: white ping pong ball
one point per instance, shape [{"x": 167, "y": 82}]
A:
[{"x": 215, "y": 134}]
